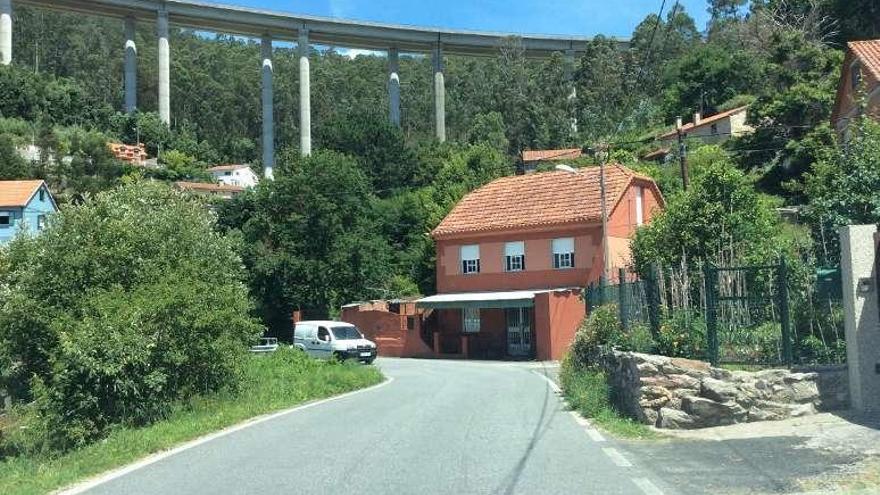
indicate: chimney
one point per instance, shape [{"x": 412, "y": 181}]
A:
[{"x": 698, "y": 117}]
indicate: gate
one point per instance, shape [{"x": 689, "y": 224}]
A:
[{"x": 747, "y": 315}]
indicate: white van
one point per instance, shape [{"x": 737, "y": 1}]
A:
[{"x": 325, "y": 339}]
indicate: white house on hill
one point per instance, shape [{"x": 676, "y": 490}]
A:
[{"x": 235, "y": 175}]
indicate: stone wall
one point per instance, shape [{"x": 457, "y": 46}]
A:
[{"x": 683, "y": 393}]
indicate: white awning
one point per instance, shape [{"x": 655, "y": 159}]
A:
[{"x": 505, "y": 299}]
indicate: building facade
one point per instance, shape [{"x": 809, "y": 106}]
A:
[
  {"x": 715, "y": 128},
  {"x": 235, "y": 175},
  {"x": 514, "y": 255},
  {"x": 25, "y": 206},
  {"x": 858, "y": 92}
]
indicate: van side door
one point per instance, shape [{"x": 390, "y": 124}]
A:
[{"x": 320, "y": 344}]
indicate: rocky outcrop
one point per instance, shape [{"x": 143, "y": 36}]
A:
[{"x": 683, "y": 393}]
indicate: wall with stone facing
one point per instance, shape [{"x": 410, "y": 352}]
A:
[{"x": 682, "y": 393}]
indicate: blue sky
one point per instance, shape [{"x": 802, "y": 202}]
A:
[{"x": 571, "y": 17}]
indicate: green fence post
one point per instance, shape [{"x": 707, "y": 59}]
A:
[
  {"x": 784, "y": 316},
  {"x": 710, "y": 280},
  {"x": 602, "y": 283},
  {"x": 652, "y": 294},
  {"x": 621, "y": 296}
]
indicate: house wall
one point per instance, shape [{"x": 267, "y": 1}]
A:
[
  {"x": 7, "y": 232},
  {"x": 389, "y": 331},
  {"x": 539, "y": 272},
  {"x": 847, "y": 101},
  {"x": 557, "y": 316}
]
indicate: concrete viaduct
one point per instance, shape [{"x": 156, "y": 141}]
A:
[{"x": 270, "y": 26}]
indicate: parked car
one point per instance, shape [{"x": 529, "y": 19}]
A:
[
  {"x": 327, "y": 339},
  {"x": 266, "y": 345}
]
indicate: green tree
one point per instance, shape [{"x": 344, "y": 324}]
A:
[
  {"x": 311, "y": 241},
  {"x": 719, "y": 219},
  {"x": 842, "y": 188},
  {"x": 120, "y": 307}
]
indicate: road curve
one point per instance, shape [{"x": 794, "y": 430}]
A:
[{"x": 441, "y": 427}]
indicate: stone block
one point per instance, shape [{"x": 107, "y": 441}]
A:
[
  {"x": 718, "y": 390},
  {"x": 675, "y": 419}
]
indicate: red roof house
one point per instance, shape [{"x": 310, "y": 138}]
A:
[
  {"x": 513, "y": 256},
  {"x": 858, "y": 91}
]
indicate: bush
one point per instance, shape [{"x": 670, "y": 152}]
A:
[
  {"x": 121, "y": 307},
  {"x": 603, "y": 328},
  {"x": 683, "y": 334}
]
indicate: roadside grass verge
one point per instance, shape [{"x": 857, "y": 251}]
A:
[
  {"x": 271, "y": 383},
  {"x": 588, "y": 393}
]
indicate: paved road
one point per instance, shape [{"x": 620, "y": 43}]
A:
[{"x": 439, "y": 427}]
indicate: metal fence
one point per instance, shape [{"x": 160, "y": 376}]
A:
[{"x": 750, "y": 315}]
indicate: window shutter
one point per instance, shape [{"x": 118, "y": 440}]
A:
[
  {"x": 470, "y": 252},
  {"x": 514, "y": 248},
  {"x": 563, "y": 245}
]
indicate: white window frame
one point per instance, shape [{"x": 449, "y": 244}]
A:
[
  {"x": 640, "y": 205},
  {"x": 515, "y": 256},
  {"x": 562, "y": 250},
  {"x": 469, "y": 259},
  {"x": 41, "y": 221},
  {"x": 470, "y": 320}
]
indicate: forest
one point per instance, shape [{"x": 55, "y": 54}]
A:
[{"x": 350, "y": 222}]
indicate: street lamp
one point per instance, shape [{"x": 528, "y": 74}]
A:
[{"x": 572, "y": 170}]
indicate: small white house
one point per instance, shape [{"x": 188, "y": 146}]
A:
[{"x": 235, "y": 175}]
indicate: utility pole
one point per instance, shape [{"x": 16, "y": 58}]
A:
[{"x": 682, "y": 154}]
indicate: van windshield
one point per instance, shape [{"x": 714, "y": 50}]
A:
[{"x": 346, "y": 333}]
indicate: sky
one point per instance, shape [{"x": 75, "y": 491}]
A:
[{"x": 567, "y": 17}]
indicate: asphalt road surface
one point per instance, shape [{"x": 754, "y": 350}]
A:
[{"x": 439, "y": 427}]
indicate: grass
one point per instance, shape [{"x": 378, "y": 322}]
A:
[
  {"x": 588, "y": 393},
  {"x": 271, "y": 383}
]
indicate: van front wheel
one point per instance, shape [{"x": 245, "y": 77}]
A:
[{"x": 340, "y": 356}]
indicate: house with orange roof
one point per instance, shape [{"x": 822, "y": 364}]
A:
[
  {"x": 222, "y": 191},
  {"x": 858, "y": 91},
  {"x": 135, "y": 154},
  {"x": 514, "y": 255},
  {"x": 25, "y": 206},
  {"x": 715, "y": 128},
  {"x": 532, "y": 158}
]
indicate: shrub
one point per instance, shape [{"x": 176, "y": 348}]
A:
[
  {"x": 682, "y": 334},
  {"x": 603, "y": 328},
  {"x": 119, "y": 308}
]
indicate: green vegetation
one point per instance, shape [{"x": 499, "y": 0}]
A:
[
  {"x": 586, "y": 390},
  {"x": 269, "y": 383},
  {"x": 120, "y": 308}
]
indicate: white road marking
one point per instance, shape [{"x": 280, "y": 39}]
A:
[
  {"x": 616, "y": 457},
  {"x": 553, "y": 386},
  {"x": 579, "y": 419},
  {"x": 595, "y": 435},
  {"x": 647, "y": 486},
  {"x": 154, "y": 458}
]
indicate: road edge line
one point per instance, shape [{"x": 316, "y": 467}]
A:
[
  {"x": 83, "y": 486},
  {"x": 553, "y": 386}
]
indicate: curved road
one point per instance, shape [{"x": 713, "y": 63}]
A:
[{"x": 440, "y": 427}]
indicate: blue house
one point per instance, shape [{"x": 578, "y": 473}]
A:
[{"x": 25, "y": 205}]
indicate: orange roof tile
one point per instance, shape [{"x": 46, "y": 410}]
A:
[
  {"x": 18, "y": 192},
  {"x": 868, "y": 53},
  {"x": 542, "y": 155},
  {"x": 547, "y": 198},
  {"x": 705, "y": 121}
]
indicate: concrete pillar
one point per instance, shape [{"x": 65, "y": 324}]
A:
[
  {"x": 858, "y": 262},
  {"x": 439, "y": 95},
  {"x": 164, "y": 68},
  {"x": 394, "y": 85},
  {"x": 5, "y": 32},
  {"x": 570, "y": 61},
  {"x": 130, "y": 66},
  {"x": 268, "y": 99},
  {"x": 305, "y": 96}
]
